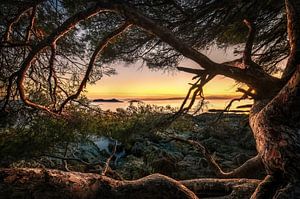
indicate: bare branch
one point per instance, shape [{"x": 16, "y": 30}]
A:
[
  {"x": 197, "y": 87},
  {"x": 31, "y": 24},
  {"x": 65, "y": 161},
  {"x": 245, "y": 96},
  {"x": 253, "y": 164},
  {"x": 11, "y": 23},
  {"x": 101, "y": 46},
  {"x": 109, "y": 159},
  {"x": 52, "y": 38}
]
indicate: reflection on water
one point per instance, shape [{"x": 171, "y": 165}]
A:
[{"x": 175, "y": 103}]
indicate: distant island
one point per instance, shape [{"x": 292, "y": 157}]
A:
[
  {"x": 107, "y": 100},
  {"x": 135, "y": 101}
]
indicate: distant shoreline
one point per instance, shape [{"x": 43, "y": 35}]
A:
[{"x": 140, "y": 99}]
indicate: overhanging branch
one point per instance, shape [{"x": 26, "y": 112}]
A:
[
  {"x": 101, "y": 46},
  {"x": 255, "y": 79},
  {"x": 52, "y": 38}
]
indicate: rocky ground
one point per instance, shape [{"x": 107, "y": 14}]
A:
[{"x": 228, "y": 139}]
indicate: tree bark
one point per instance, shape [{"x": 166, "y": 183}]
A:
[
  {"x": 276, "y": 123},
  {"x": 42, "y": 183}
]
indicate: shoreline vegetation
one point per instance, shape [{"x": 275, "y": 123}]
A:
[
  {"x": 84, "y": 142},
  {"x": 142, "y": 148}
]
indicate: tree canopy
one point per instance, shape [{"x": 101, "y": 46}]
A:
[{"x": 56, "y": 47}]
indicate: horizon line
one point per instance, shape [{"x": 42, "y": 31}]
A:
[{"x": 154, "y": 98}]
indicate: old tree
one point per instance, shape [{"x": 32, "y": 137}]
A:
[{"x": 53, "y": 48}]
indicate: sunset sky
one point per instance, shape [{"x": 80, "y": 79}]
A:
[{"x": 135, "y": 82}]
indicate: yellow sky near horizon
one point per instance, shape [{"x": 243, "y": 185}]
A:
[
  {"x": 135, "y": 82},
  {"x": 158, "y": 85}
]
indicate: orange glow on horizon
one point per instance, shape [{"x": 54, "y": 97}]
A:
[
  {"x": 136, "y": 82},
  {"x": 163, "y": 87}
]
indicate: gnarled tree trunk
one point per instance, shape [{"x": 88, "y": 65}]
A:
[
  {"x": 276, "y": 123},
  {"x": 39, "y": 183}
]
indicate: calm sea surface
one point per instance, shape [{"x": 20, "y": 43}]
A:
[{"x": 175, "y": 103}]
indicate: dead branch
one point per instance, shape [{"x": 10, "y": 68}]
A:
[
  {"x": 109, "y": 159},
  {"x": 198, "y": 91},
  {"x": 65, "y": 161},
  {"x": 246, "y": 170},
  {"x": 243, "y": 97},
  {"x": 89, "y": 166}
]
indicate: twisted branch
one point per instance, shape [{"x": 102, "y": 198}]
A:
[
  {"x": 100, "y": 48},
  {"x": 109, "y": 159},
  {"x": 52, "y": 38},
  {"x": 254, "y": 164}
]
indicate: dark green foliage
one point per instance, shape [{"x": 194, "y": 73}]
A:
[
  {"x": 38, "y": 134},
  {"x": 37, "y": 137}
]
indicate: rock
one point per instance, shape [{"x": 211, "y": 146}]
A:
[
  {"x": 230, "y": 147},
  {"x": 164, "y": 166},
  {"x": 137, "y": 149},
  {"x": 89, "y": 152}
]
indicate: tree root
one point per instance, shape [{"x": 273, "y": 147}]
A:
[
  {"x": 266, "y": 189},
  {"x": 46, "y": 183},
  {"x": 276, "y": 188},
  {"x": 222, "y": 188},
  {"x": 246, "y": 170}
]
